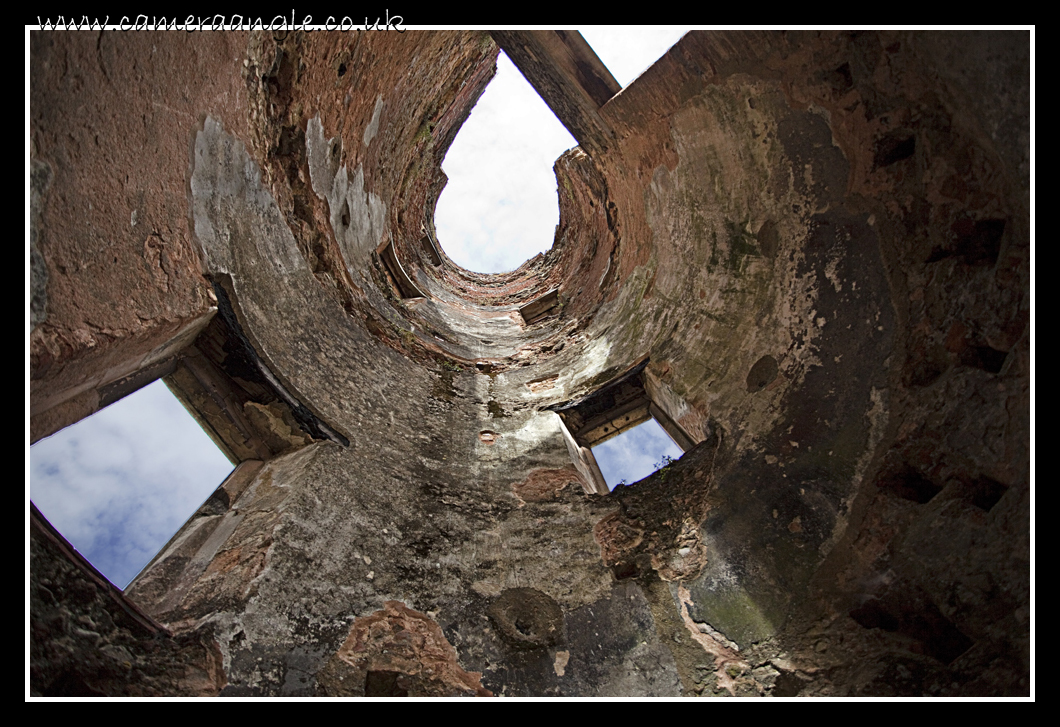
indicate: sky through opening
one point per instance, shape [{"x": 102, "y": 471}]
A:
[
  {"x": 500, "y": 206},
  {"x": 120, "y": 483},
  {"x": 635, "y": 454}
]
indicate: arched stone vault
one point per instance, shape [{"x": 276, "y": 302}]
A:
[{"x": 816, "y": 244}]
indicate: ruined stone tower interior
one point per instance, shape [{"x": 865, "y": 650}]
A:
[{"x": 805, "y": 254}]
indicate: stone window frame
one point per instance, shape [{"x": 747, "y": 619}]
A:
[
  {"x": 228, "y": 387},
  {"x": 619, "y": 405}
]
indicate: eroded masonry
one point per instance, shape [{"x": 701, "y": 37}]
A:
[{"x": 807, "y": 255}]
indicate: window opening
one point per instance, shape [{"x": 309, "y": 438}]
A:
[
  {"x": 537, "y": 309},
  {"x": 635, "y": 453},
  {"x": 620, "y": 407},
  {"x": 628, "y": 52},
  {"x": 500, "y": 206},
  {"x": 120, "y": 483}
]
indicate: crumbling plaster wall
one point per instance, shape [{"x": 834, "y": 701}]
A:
[
  {"x": 119, "y": 284},
  {"x": 762, "y": 228}
]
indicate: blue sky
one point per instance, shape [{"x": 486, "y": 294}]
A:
[
  {"x": 635, "y": 453},
  {"x": 119, "y": 484}
]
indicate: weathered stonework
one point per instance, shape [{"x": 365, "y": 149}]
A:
[
  {"x": 87, "y": 640},
  {"x": 816, "y": 244},
  {"x": 397, "y": 652}
]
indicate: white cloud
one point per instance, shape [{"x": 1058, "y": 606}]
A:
[
  {"x": 635, "y": 453},
  {"x": 500, "y": 206}
]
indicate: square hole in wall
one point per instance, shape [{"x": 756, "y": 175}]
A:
[
  {"x": 121, "y": 482},
  {"x": 622, "y": 425}
]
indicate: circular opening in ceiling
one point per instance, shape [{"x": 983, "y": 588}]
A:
[{"x": 500, "y": 207}]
